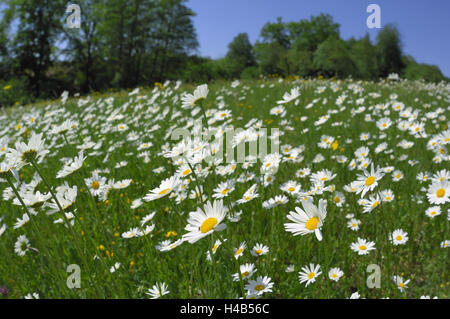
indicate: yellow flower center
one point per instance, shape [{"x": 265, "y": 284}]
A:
[
  {"x": 186, "y": 172},
  {"x": 95, "y": 185},
  {"x": 370, "y": 180},
  {"x": 337, "y": 199},
  {"x": 258, "y": 251},
  {"x": 259, "y": 287},
  {"x": 334, "y": 275},
  {"x": 239, "y": 251},
  {"x": 362, "y": 247},
  {"x": 402, "y": 285},
  {"x": 311, "y": 275},
  {"x": 291, "y": 189},
  {"x": 226, "y": 190},
  {"x": 164, "y": 191},
  {"x": 311, "y": 224},
  {"x": 245, "y": 274},
  {"x": 440, "y": 192},
  {"x": 208, "y": 224},
  {"x": 399, "y": 237}
]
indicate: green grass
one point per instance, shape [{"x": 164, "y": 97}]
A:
[{"x": 99, "y": 224}]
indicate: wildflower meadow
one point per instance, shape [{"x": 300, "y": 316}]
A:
[{"x": 273, "y": 188}]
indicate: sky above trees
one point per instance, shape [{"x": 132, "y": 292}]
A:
[{"x": 424, "y": 25}]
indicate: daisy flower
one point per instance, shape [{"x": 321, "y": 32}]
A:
[
  {"x": 22, "y": 221},
  {"x": 32, "y": 296},
  {"x": 223, "y": 189},
  {"x": 322, "y": 176},
  {"x": 248, "y": 196},
  {"x": 278, "y": 110},
  {"x": 95, "y": 183},
  {"x": 158, "y": 290},
  {"x": 122, "y": 184},
  {"x": 397, "y": 175},
  {"x": 433, "y": 211},
  {"x": 247, "y": 270},
  {"x": 387, "y": 195},
  {"x": 167, "y": 245},
  {"x": 259, "y": 250},
  {"x": 71, "y": 166},
  {"x": 439, "y": 192},
  {"x": 259, "y": 286},
  {"x": 400, "y": 282},
  {"x": 200, "y": 93},
  {"x": 309, "y": 274},
  {"x": 270, "y": 163},
  {"x": 368, "y": 181},
  {"x": 240, "y": 250},
  {"x": 22, "y": 245},
  {"x": 445, "y": 244},
  {"x": 291, "y": 187},
  {"x": 165, "y": 188},
  {"x": 216, "y": 245},
  {"x": 288, "y": 97},
  {"x": 309, "y": 220},
  {"x": 184, "y": 170},
  {"x": 372, "y": 203},
  {"x": 115, "y": 267},
  {"x": 353, "y": 224},
  {"x": 398, "y": 237},
  {"x": 355, "y": 295},
  {"x": 335, "y": 274},
  {"x": 339, "y": 199},
  {"x": 25, "y": 153},
  {"x": 362, "y": 246},
  {"x": 66, "y": 197},
  {"x": 202, "y": 223}
]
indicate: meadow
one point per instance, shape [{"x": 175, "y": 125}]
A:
[{"x": 354, "y": 203}]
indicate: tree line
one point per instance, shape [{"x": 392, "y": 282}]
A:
[{"x": 130, "y": 43}]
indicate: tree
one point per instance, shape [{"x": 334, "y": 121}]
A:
[
  {"x": 364, "y": 56},
  {"x": 332, "y": 58},
  {"x": 417, "y": 71},
  {"x": 175, "y": 36},
  {"x": 240, "y": 54},
  {"x": 83, "y": 48},
  {"x": 309, "y": 34},
  {"x": 38, "y": 28},
  {"x": 271, "y": 50},
  {"x": 389, "y": 49}
]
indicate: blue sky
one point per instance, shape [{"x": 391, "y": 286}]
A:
[{"x": 424, "y": 25}]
